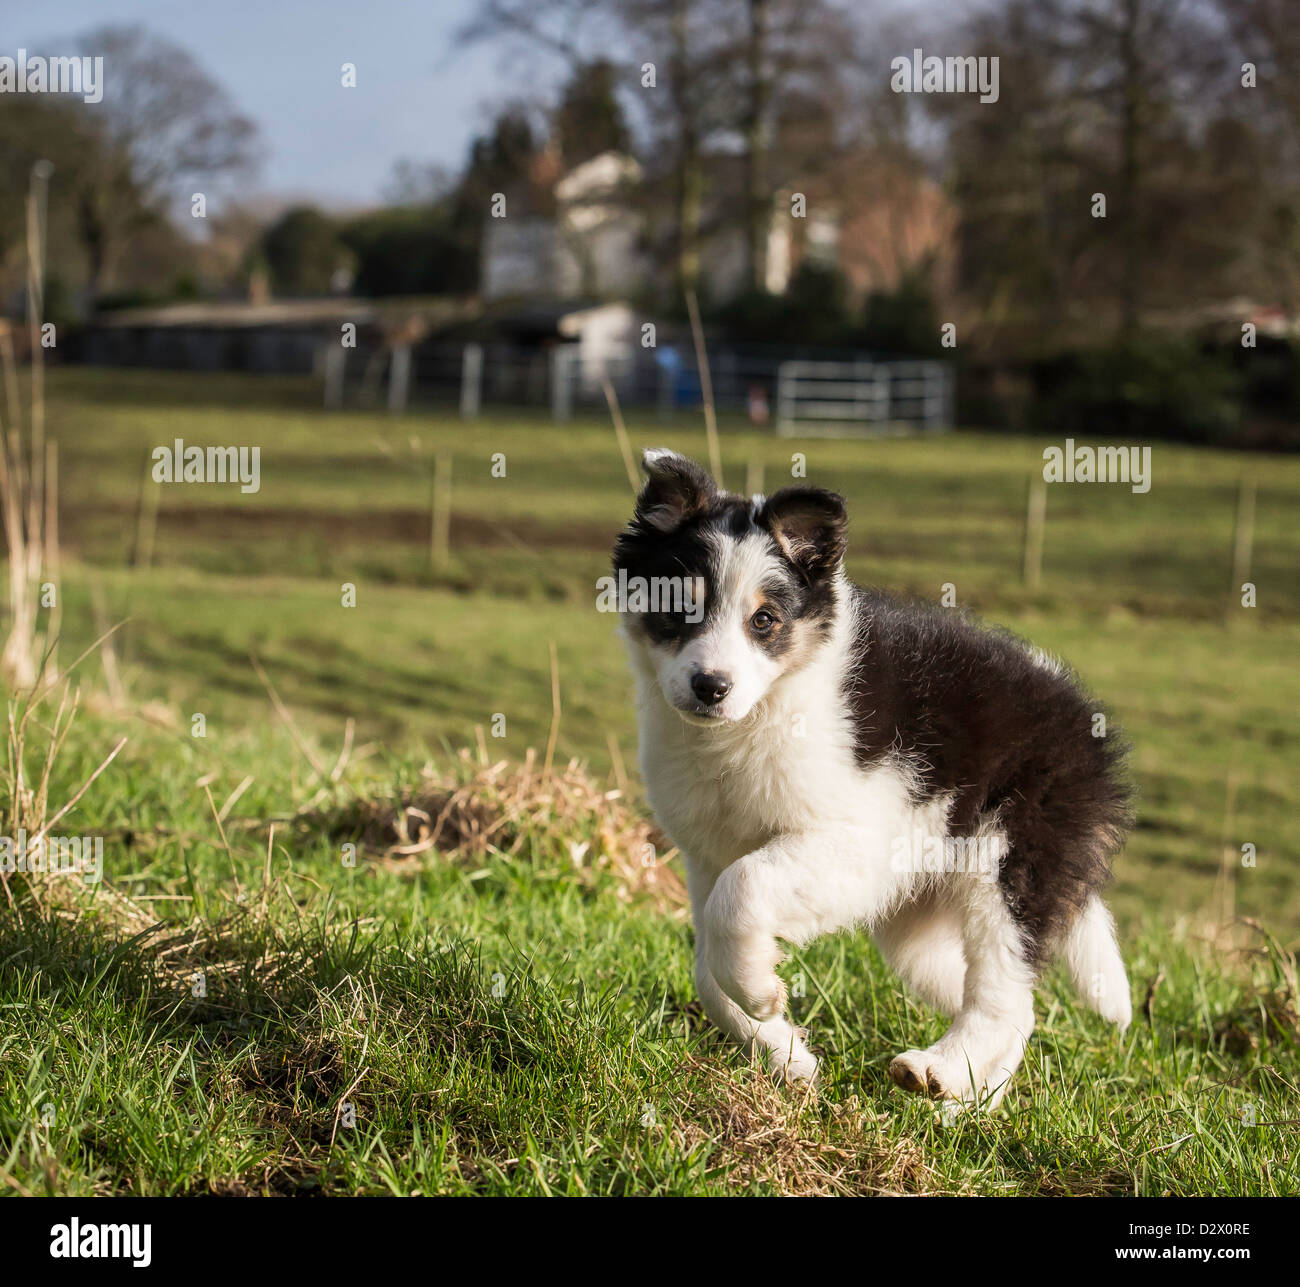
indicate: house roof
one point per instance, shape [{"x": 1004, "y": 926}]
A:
[
  {"x": 240, "y": 313},
  {"x": 291, "y": 313}
]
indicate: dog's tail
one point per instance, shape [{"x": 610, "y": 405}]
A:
[{"x": 1092, "y": 954}]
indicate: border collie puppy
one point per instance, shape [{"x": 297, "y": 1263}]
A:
[{"x": 826, "y": 757}]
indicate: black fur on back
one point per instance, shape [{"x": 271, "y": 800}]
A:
[{"x": 978, "y": 717}]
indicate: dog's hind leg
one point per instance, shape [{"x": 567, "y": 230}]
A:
[
  {"x": 922, "y": 942},
  {"x": 975, "y": 1059},
  {"x": 1096, "y": 967}
]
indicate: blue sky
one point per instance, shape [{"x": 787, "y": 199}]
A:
[{"x": 417, "y": 97}]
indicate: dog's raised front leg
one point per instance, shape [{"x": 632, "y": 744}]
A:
[
  {"x": 796, "y": 888},
  {"x": 785, "y": 1049}
]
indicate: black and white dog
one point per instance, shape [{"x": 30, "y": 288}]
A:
[{"x": 826, "y": 757}]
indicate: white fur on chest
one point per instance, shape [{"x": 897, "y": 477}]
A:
[{"x": 721, "y": 793}]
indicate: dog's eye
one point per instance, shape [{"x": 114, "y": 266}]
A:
[{"x": 762, "y": 622}]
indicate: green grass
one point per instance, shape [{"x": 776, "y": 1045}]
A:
[
  {"x": 519, "y": 1023},
  {"x": 500, "y": 1026}
]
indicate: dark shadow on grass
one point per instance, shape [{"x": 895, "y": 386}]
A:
[{"x": 268, "y": 1018}]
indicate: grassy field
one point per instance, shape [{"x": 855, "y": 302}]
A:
[{"x": 510, "y": 1008}]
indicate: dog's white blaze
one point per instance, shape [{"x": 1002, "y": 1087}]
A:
[{"x": 725, "y": 645}]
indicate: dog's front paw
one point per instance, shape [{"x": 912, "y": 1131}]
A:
[{"x": 793, "y": 1062}]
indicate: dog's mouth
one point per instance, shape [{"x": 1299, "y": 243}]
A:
[
  {"x": 700, "y": 715},
  {"x": 703, "y": 716}
]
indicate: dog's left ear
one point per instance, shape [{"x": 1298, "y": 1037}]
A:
[{"x": 810, "y": 525}]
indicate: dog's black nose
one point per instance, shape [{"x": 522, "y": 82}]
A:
[{"x": 710, "y": 687}]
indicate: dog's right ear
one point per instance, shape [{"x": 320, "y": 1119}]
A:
[{"x": 675, "y": 489}]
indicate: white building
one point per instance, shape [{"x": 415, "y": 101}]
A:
[{"x": 591, "y": 249}]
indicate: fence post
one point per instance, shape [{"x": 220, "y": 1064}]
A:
[
  {"x": 399, "y": 378},
  {"x": 334, "y": 360},
  {"x": 935, "y": 398},
  {"x": 146, "y": 516},
  {"x": 471, "y": 381},
  {"x": 1243, "y": 537},
  {"x": 882, "y": 378},
  {"x": 1034, "y": 524},
  {"x": 440, "y": 526},
  {"x": 561, "y": 382}
]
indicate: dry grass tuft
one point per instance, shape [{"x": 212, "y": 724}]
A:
[
  {"x": 766, "y": 1136},
  {"x": 1268, "y": 1013},
  {"x": 1112, "y": 1181},
  {"x": 28, "y": 818},
  {"x": 512, "y": 810}
]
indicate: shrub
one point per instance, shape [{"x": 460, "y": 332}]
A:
[
  {"x": 902, "y": 320},
  {"x": 1153, "y": 388},
  {"x": 814, "y": 311}
]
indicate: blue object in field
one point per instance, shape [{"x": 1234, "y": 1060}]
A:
[
  {"x": 687, "y": 392},
  {"x": 684, "y": 382},
  {"x": 668, "y": 358}
]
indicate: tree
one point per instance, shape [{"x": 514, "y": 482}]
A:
[
  {"x": 416, "y": 183},
  {"x": 34, "y": 127},
  {"x": 1266, "y": 36},
  {"x": 1113, "y": 177},
  {"x": 303, "y": 251},
  {"x": 1141, "y": 59},
  {"x": 164, "y": 127},
  {"x": 499, "y": 162},
  {"x": 555, "y": 26},
  {"x": 688, "y": 100},
  {"x": 756, "y": 129},
  {"x": 590, "y": 118},
  {"x": 678, "y": 39},
  {"x": 412, "y": 250},
  {"x": 709, "y": 77}
]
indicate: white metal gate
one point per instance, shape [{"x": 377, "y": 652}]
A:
[{"x": 862, "y": 399}]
